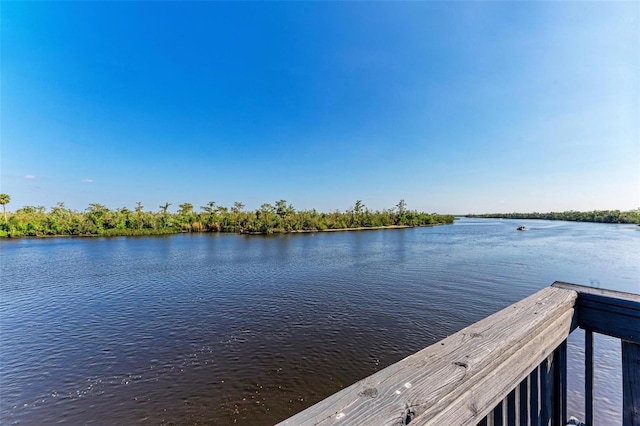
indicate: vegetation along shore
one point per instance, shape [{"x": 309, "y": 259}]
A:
[
  {"x": 603, "y": 216},
  {"x": 98, "y": 220}
]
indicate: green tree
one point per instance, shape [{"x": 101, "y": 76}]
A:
[
  {"x": 210, "y": 220},
  {"x": 401, "y": 206},
  {"x": 4, "y": 200},
  {"x": 356, "y": 215},
  {"x": 357, "y": 208},
  {"x": 281, "y": 208},
  {"x": 96, "y": 218},
  {"x": 185, "y": 216},
  {"x": 265, "y": 218},
  {"x": 210, "y": 207},
  {"x": 165, "y": 221},
  {"x": 237, "y": 207},
  {"x": 185, "y": 208}
]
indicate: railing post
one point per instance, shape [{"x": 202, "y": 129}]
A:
[
  {"x": 546, "y": 390},
  {"x": 498, "y": 415},
  {"x": 511, "y": 408},
  {"x": 588, "y": 376},
  {"x": 534, "y": 397},
  {"x": 560, "y": 385},
  {"x": 525, "y": 420},
  {"x": 630, "y": 383}
]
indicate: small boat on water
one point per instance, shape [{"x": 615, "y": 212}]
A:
[{"x": 521, "y": 228}]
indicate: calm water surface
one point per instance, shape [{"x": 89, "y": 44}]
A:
[{"x": 217, "y": 329}]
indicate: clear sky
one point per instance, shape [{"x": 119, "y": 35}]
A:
[{"x": 456, "y": 107}]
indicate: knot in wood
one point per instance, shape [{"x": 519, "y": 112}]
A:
[
  {"x": 407, "y": 416},
  {"x": 369, "y": 393}
]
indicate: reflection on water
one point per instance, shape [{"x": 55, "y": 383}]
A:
[{"x": 226, "y": 328}]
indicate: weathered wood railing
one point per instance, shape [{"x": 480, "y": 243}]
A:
[
  {"x": 615, "y": 314},
  {"x": 509, "y": 368}
]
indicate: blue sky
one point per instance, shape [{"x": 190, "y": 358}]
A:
[{"x": 456, "y": 107}]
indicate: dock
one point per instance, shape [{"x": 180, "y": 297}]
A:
[{"x": 507, "y": 369}]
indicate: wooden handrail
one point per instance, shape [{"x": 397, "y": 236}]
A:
[
  {"x": 460, "y": 379},
  {"x": 615, "y": 314},
  {"x": 509, "y": 368}
]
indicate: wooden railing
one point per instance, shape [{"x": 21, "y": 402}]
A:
[
  {"x": 614, "y": 314},
  {"x": 509, "y": 368}
]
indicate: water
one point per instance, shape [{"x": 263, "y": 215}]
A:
[{"x": 217, "y": 329}]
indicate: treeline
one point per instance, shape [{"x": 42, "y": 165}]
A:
[
  {"x": 603, "y": 216},
  {"x": 98, "y": 220}
]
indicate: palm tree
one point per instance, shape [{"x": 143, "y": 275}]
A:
[
  {"x": 4, "y": 200},
  {"x": 237, "y": 207},
  {"x": 210, "y": 207},
  {"x": 357, "y": 208},
  {"x": 164, "y": 207}
]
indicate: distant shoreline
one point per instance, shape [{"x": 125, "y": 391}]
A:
[{"x": 596, "y": 216}]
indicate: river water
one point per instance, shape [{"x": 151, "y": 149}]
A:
[{"x": 223, "y": 329}]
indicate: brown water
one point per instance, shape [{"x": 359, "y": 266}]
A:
[{"x": 217, "y": 329}]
